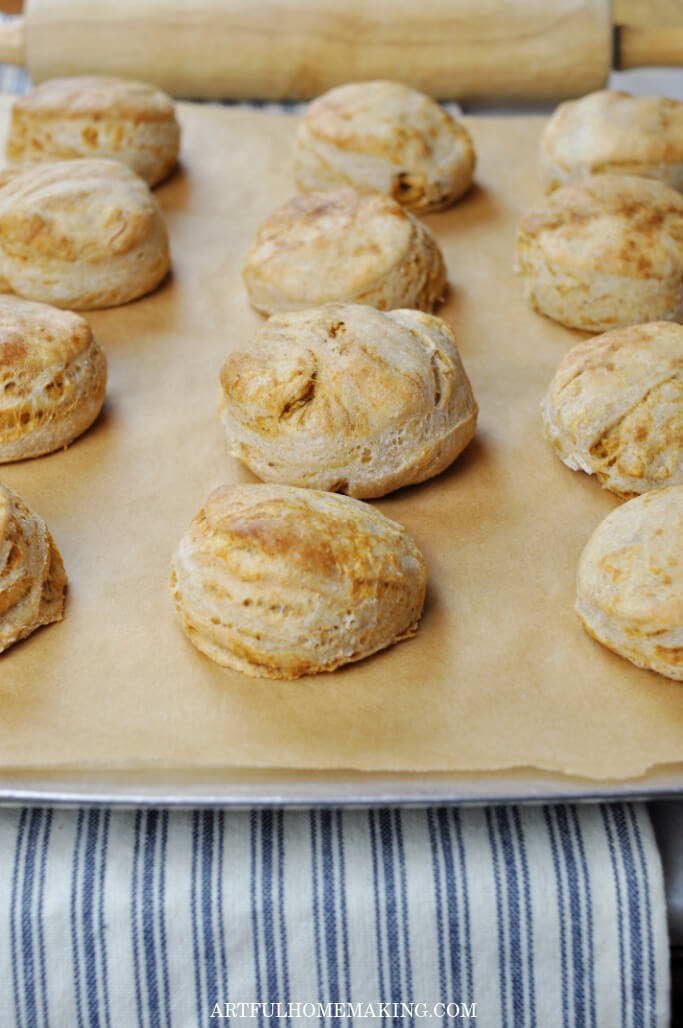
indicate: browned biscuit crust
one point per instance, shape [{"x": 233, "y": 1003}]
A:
[
  {"x": 388, "y": 137},
  {"x": 81, "y": 235},
  {"x": 343, "y": 245},
  {"x": 615, "y": 408},
  {"x": 605, "y": 253},
  {"x": 32, "y": 576},
  {"x": 347, "y": 398},
  {"x": 97, "y": 116},
  {"x": 629, "y": 592},
  {"x": 53, "y": 378},
  {"x": 613, "y": 132},
  {"x": 278, "y": 582}
]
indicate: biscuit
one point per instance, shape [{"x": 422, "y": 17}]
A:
[
  {"x": 32, "y": 577},
  {"x": 278, "y": 582},
  {"x": 53, "y": 378},
  {"x": 81, "y": 234},
  {"x": 346, "y": 245},
  {"x": 347, "y": 398},
  {"x": 615, "y": 408},
  {"x": 629, "y": 592},
  {"x": 617, "y": 133},
  {"x": 605, "y": 253},
  {"x": 96, "y": 116},
  {"x": 388, "y": 137}
]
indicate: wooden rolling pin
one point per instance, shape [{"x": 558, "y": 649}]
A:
[{"x": 482, "y": 50}]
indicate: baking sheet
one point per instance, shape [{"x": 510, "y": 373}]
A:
[
  {"x": 252, "y": 787},
  {"x": 501, "y": 674}
]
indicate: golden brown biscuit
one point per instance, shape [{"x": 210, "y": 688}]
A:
[
  {"x": 605, "y": 253},
  {"x": 388, "y": 137},
  {"x": 630, "y": 582},
  {"x": 81, "y": 234},
  {"x": 616, "y": 133},
  {"x": 615, "y": 408},
  {"x": 278, "y": 582},
  {"x": 53, "y": 377},
  {"x": 32, "y": 577},
  {"x": 346, "y": 245},
  {"x": 97, "y": 116},
  {"x": 348, "y": 399}
]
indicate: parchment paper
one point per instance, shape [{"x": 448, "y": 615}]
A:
[{"x": 501, "y": 673}]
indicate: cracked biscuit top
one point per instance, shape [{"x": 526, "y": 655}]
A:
[
  {"x": 346, "y": 245},
  {"x": 385, "y": 136},
  {"x": 349, "y": 399},
  {"x": 97, "y": 116},
  {"x": 615, "y": 408}
]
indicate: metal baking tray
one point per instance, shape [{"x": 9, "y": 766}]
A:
[
  {"x": 163, "y": 783},
  {"x": 264, "y": 787}
]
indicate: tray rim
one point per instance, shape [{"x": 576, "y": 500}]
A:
[{"x": 246, "y": 787}]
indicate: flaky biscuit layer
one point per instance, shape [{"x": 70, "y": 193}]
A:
[
  {"x": 388, "y": 137},
  {"x": 613, "y": 132},
  {"x": 97, "y": 116},
  {"x": 605, "y": 253},
  {"x": 343, "y": 245},
  {"x": 53, "y": 378},
  {"x": 32, "y": 576},
  {"x": 81, "y": 235},
  {"x": 629, "y": 592},
  {"x": 615, "y": 408},
  {"x": 279, "y": 582}
]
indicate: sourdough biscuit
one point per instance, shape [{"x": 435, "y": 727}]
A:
[
  {"x": 81, "y": 234},
  {"x": 97, "y": 116},
  {"x": 53, "y": 378},
  {"x": 32, "y": 577},
  {"x": 347, "y": 245},
  {"x": 630, "y": 582},
  {"x": 278, "y": 582},
  {"x": 617, "y": 133},
  {"x": 348, "y": 399},
  {"x": 388, "y": 137},
  {"x": 615, "y": 408},
  {"x": 605, "y": 253}
]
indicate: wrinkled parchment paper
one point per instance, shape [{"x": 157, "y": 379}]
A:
[{"x": 501, "y": 673}]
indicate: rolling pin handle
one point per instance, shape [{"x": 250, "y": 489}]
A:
[
  {"x": 661, "y": 46},
  {"x": 12, "y": 42}
]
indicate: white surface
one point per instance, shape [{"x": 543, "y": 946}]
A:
[{"x": 649, "y": 82}]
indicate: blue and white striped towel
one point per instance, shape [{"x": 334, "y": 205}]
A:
[{"x": 539, "y": 916}]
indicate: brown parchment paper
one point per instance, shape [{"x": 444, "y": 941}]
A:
[{"x": 500, "y": 675}]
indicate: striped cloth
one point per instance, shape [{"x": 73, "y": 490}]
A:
[{"x": 551, "y": 917}]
